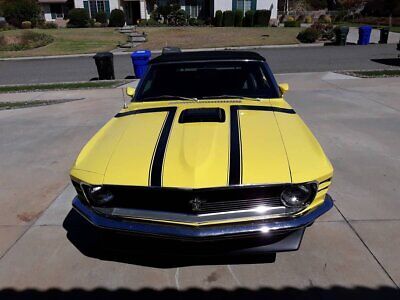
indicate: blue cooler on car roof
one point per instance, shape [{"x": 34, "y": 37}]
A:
[{"x": 140, "y": 61}]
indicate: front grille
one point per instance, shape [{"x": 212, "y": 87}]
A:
[{"x": 197, "y": 201}]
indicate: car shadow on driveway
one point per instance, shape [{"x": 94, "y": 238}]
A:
[
  {"x": 388, "y": 61},
  {"x": 156, "y": 253},
  {"x": 212, "y": 294}
]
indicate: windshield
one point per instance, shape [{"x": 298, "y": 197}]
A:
[{"x": 202, "y": 80}]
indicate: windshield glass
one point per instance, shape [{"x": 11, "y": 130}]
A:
[{"x": 203, "y": 80}]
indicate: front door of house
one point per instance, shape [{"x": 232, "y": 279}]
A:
[{"x": 132, "y": 11}]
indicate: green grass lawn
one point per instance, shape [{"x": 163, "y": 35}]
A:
[
  {"x": 91, "y": 40},
  {"x": 210, "y": 37},
  {"x": 374, "y": 73},
  {"x": 61, "y": 86},
  {"x": 71, "y": 41}
]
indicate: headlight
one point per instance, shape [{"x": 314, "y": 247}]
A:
[
  {"x": 299, "y": 195},
  {"x": 97, "y": 195}
]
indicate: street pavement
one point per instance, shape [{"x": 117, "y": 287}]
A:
[
  {"x": 281, "y": 60},
  {"x": 353, "y": 251}
]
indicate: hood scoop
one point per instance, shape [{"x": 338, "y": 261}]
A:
[{"x": 200, "y": 115}]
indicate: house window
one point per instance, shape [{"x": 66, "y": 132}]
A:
[
  {"x": 94, "y": 6},
  {"x": 193, "y": 7},
  {"x": 245, "y": 5}
]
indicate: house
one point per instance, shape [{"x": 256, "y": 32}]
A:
[{"x": 54, "y": 10}]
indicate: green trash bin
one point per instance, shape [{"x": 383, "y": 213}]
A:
[
  {"x": 341, "y": 33},
  {"x": 384, "y": 36}
]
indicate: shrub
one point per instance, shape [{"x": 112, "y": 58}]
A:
[
  {"x": 325, "y": 31},
  {"x": 49, "y": 25},
  {"x": 152, "y": 22},
  {"x": 193, "y": 22},
  {"x": 218, "y": 19},
  {"x": 26, "y": 25},
  {"x": 97, "y": 24},
  {"x": 178, "y": 18},
  {"x": 101, "y": 17},
  {"x": 238, "y": 18},
  {"x": 117, "y": 18},
  {"x": 249, "y": 18},
  {"x": 301, "y": 18},
  {"x": 309, "y": 35},
  {"x": 292, "y": 24},
  {"x": 324, "y": 19},
  {"x": 290, "y": 18},
  {"x": 308, "y": 20},
  {"x": 17, "y": 11},
  {"x": 27, "y": 40},
  {"x": 228, "y": 18},
  {"x": 262, "y": 17},
  {"x": 79, "y": 18}
]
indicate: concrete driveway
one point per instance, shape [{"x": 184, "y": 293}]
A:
[{"x": 353, "y": 251}]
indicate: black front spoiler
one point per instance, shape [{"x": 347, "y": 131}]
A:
[{"x": 274, "y": 235}]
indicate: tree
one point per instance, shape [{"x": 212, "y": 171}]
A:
[{"x": 17, "y": 11}]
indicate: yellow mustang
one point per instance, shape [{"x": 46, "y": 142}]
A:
[{"x": 207, "y": 151}]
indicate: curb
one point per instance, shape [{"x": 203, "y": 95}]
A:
[{"x": 119, "y": 53}]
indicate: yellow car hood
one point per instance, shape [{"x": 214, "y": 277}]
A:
[{"x": 146, "y": 145}]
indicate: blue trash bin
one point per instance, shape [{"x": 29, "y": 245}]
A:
[
  {"x": 364, "y": 35},
  {"x": 140, "y": 61}
]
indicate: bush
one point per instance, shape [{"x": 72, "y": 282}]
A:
[
  {"x": 27, "y": 40},
  {"x": 17, "y": 11},
  {"x": 152, "y": 22},
  {"x": 97, "y": 24},
  {"x": 26, "y": 25},
  {"x": 79, "y": 18},
  {"x": 48, "y": 25},
  {"x": 178, "y": 18},
  {"x": 325, "y": 31},
  {"x": 101, "y": 17},
  {"x": 218, "y": 19},
  {"x": 238, "y": 18},
  {"x": 292, "y": 24},
  {"x": 290, "y": 18},
  {"x": 309, "y": 35},
  {"x": 301, "y": 18},
  {"x": 262, "y": 17},
  {"x": 308, "y": 20},
  {"x": 193, "y": 22},
  {"x": 117, "y": 18},
  {"x": 249, "y": 18},
  {"x": 228, "y": 18},
  {"x": 324, "y": 19}
]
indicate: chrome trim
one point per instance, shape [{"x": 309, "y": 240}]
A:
[
  {"x": 140, "y": 214},
  {"x": 194, "y": 232}
]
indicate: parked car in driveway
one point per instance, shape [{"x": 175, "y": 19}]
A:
[{"x": 207, "y": 152}]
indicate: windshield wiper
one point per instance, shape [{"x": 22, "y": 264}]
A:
[
  {"x": 169, "y": 97},
  {"x": 230, "y": 97}
]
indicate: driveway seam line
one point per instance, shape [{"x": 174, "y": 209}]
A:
[
  {"x": 233, "y": 275},
  {"x": 32, "y": 224},
  {"x": 368, "y": 249}
]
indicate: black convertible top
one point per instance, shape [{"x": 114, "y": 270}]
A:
[{"x": 206, "y": 55}]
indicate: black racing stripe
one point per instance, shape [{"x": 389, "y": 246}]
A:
[
  {"x": 235, "y": 148},
  {"x": 143, "y": 111},
  {"x": 326, "y": 180},
  {"x": 266, "y": 108},
  {"x": 156, "y": 167}
]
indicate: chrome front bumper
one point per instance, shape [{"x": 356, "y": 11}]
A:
[{"x": 184, "y": 232}]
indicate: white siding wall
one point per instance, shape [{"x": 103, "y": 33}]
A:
[
  {"x": 261, "y": 4},
  {"x": 269, "y": 5},
  {"x": 222, "y": 5},
  {"x": 113, "y": 4}
]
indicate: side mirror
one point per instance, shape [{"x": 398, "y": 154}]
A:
[
  {"x": 284, "y": 87},
  {"x": 130, "y": 91}
]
